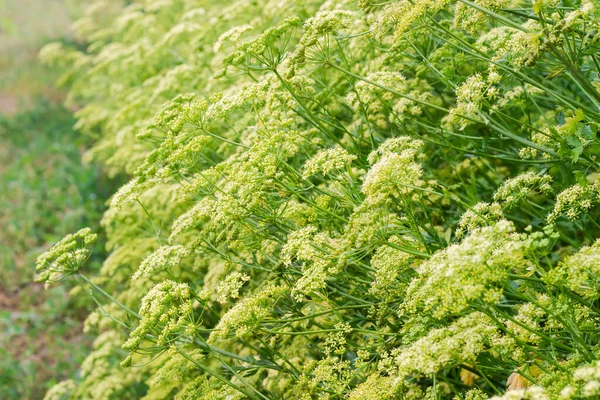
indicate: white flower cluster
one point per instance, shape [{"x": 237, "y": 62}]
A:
[
  {"x": 315, "y": 252},
  {"x": 473, "y": 20},
  {"x": 400, "y": 15},
  {"x": 516, "y": 46},
  {"x": 476, "y": 268},
  {"x": 521, "y": 187},
  {"x": 460, "y": 342},
  {"x": 390, "y": 263},
  {"x": 247, "y": 314},
  {"x": 393, "y": 175},
  {"x": 166, "y": 313},
  {"x": 165, "y": 258},
  {"x": 574, "y": 200},
  {"x": 481, "y": 214},
  {"x": 65, "y": 257},
  {"x": 469, "y": 99},
  {"x": 532, "y": 393},
  {"x": 327, "y": 161},
  {"x": 588, "y": 377},
  {"x": 229, "y": 288},
  {"x": 580, "y": 272}
]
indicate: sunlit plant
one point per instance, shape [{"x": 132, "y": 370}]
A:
[{"x": 340, "y": 199}]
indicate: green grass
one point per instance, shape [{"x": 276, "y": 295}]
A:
[{"x": 45, "y": 192}]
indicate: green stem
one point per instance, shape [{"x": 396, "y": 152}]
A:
[
  {"x": 216, "y": 375},
  {"x": 492, "y": 14},
  {"x": 108, "y": 296}
]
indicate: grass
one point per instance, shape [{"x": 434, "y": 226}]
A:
[{"x": 45, "y": 192}]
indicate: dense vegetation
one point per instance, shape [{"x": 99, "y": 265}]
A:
[
  {"x": 45, "y": 192},
  {"x": 340, "y": 199}
]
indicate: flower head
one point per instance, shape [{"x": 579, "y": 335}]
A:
[{"x": 66, "y": 257}]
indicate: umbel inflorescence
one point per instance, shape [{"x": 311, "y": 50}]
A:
[
  {"x": 66, "y": 257},
  {"x": 340, "y": 199}
]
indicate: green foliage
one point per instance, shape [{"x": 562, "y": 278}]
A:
[
  {"x": 45, "y": 192},
  {"x": 331, "y": 200}
]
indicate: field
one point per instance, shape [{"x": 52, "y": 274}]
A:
[
  {"x": 312, "y": 200},
  {"x": 45, "y": 192}
]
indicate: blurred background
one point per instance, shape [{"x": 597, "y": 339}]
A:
[{"x": 46, "y": 191}]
